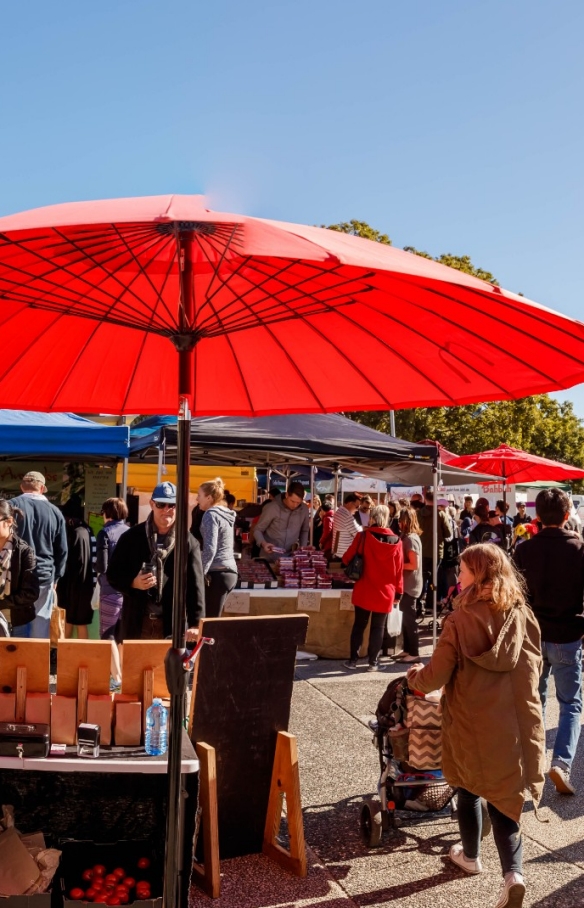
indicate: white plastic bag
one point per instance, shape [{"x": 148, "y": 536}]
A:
[{"x": 394, "y": 622}]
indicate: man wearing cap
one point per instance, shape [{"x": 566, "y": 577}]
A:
[
  {"x": 142, "y": 569},
  {"x": 42, "y": 526}
]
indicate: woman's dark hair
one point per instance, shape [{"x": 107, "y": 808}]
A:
[
  {"x": 230, "y": 499},
  {"x": 326, "y": 507},
  {"x": 482, "y": 511},
  {"x": 551, "y": 506},
  {"x": 73, "y": 508},
  {"x": 7, "y": 510},
  {"x": 115, "y": 509}
]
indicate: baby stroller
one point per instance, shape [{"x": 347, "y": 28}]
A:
[{"x": 408, "y": 737}]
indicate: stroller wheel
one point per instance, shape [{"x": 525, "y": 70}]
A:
[{"x": 371, "y": 824}]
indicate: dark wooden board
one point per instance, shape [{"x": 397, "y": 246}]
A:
[{"x": 241, "y": 699}]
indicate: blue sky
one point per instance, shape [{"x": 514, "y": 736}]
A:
[{"x": 453, "y": 126}]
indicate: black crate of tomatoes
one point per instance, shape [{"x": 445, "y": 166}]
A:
[{"x": 124, "y": 873}]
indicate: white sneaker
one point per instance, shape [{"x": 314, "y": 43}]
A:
[
  {"x": 512, "y": 892},
  {"x": 469, "y": 865},
  {"x": 561, "y": 779}
]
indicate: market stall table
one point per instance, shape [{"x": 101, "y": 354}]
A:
[{"x": 120, "y": 795}]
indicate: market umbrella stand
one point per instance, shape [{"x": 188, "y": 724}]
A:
[{"x": 91, "y": 293}]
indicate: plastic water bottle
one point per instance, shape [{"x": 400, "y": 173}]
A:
[{"x": 156, "y": 739}]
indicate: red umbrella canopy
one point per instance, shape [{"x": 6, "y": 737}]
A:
[
  {"x": 517, "y": 466},
  {"x": 96, "y": 297}
]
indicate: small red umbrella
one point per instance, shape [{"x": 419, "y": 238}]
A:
[{"x": 516, "y": 466}]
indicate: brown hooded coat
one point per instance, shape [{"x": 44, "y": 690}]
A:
[{"x": 493, "y": 741}]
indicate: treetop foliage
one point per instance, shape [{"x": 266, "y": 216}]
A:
[{"x": 539, "y": 424}]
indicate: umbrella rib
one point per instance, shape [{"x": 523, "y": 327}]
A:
[
  {"x": 323, "y": 305},
  {"x": 75, "y": 277},
  {"x": 124, "y": 287},
  {"x": 143, "y": 271},
  {"x": 222, "y": 258},
  {"x": 497, "y": 319}
]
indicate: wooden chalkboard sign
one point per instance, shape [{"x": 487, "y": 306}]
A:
[{"x": 241, "y": 699}]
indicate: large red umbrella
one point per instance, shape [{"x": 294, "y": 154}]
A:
[
  {"x": 516, "y": 466},
  {"x": 149, "y": 305},
  {"x": 275, "y": 318}
]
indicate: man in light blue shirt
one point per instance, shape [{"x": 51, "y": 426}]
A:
[{"x": 42, "y": 526}]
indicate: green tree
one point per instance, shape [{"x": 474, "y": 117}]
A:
[
  {"x": 540, "y": 424},
  {"x": 360, "y": 228}
]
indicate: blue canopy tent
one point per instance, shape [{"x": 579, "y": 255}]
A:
[{"x": 26, "y": 433}]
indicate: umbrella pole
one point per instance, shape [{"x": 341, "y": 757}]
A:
[{"x": 176, "y": 676}]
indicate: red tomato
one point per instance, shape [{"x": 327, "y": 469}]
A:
[
  {"x": 97, "y": 883},
  {"x": 99, "y": 870},
  {"x": 119, "y": 872},
  {"x": 129, "y": 882},
  {"x": 113, "y": 900},
  {"x": 90, "y": 894},
  {"x": 76, "y": 894},
  {"x": 143, "y": 863},
  {"x": 87, "y": 875},
  {"x": 143, "y": 894},
  {"x": 111, "y": 878},
  {"x": 122, "y": 890}
]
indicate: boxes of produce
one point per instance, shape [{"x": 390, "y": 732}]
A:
[
  {"x": 255, "y": 575},
  {"x": 121, "y": 873}
]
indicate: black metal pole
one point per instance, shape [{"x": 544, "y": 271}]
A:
[{"x": 176, "y": 676}]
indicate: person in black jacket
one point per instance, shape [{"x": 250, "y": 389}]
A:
[
  {"x": 552, "y": 563},
  {"x": 19, "y": 583},
  {"x": 142, "y": 569}
]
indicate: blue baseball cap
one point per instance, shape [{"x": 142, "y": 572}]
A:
[{"x": 165, "y": 492}]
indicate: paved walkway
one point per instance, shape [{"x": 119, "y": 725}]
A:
[{"x": 339, "y": 768}]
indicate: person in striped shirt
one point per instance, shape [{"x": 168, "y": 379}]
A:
[{"x": 345, "y": 527}]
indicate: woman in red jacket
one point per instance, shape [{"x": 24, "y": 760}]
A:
[{"x": 381, "y": 581}]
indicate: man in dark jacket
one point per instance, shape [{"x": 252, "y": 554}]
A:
[
  {"x": 553, "y": 566},
  {"x": 142, "y": 569}
]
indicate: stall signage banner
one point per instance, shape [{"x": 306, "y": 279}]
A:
[
  {"x": 237, "y": 602},
  {"x": 100, "y": 484},
  {"x": 11, "y": 475},
  {"x": 346, "y": 604},
  {"x": 309, "y": 600}
]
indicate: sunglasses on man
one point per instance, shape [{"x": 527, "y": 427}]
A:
[{"x": 161, "y": 505}]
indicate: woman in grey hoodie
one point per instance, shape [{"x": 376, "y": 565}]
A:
[{"x": 217, "y": 528}]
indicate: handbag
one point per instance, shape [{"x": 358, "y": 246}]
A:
[{"x": 354, "y": 568}]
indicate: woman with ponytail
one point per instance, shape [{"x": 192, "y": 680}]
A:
[{"x": 217, "y": 530}]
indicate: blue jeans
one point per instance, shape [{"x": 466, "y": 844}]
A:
[
  {"x": 564, "y": 662},
  {"x": 40, "y": 627},
  {"x": 506, "y": 832}
]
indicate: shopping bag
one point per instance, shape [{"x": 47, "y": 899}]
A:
[
  {"x": 422, "y": 713},
  {"x": 394, "y": 622},
  {"x": 425, "y": 748}
]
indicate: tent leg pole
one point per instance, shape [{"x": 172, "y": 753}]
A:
[
  {"x": 392, "y": 423},
  {"x": 125, "y": 464},
  {"x": 336, "y": 488},
  {"x": 159, "y": 469},
  {"x": 312, "y": 515},
  {"x": 435, "y": 558}
]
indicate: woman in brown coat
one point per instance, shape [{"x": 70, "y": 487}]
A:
[{"x": 488, "y": 660}]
